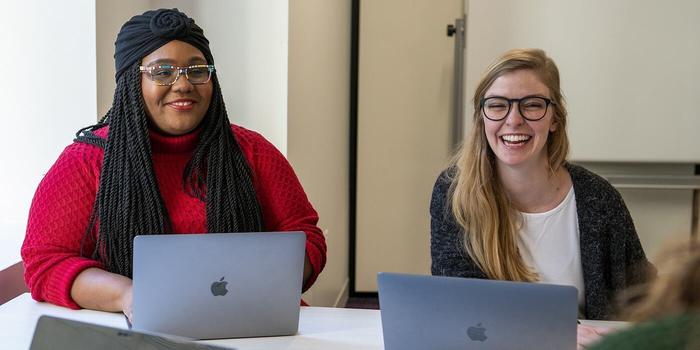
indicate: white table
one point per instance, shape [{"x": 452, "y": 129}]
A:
[{"x": 319, "y": 327}]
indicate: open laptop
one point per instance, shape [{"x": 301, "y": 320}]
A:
[
  {"x": 434, "y": 312},
  {"x": 208, "y": 286},
  {"x": 54, "y": 333}
]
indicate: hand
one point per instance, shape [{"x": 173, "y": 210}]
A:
[
  {"x": 126, "y": 301},
  {"x": 588, "y": 335}
]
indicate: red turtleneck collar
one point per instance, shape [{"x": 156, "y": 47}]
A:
[{"x": 167, "y": 144}]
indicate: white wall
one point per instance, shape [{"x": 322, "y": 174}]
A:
[
  {"x": 109, "y": 18},
  {"x": 318, "y": 134},
  {"x": 629, "y": 70},
  {"x": 48, "y": 93}
]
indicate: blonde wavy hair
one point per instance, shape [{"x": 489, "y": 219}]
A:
[
  {"x": 479, "y": 203},
  {"x": 676, "y": 289}
]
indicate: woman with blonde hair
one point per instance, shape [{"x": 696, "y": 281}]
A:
[{"x": 510, "y": 206}]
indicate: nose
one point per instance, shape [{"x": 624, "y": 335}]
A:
[
  {"x": 182, "y": 84},
  {"x": 514, "y": 116}
]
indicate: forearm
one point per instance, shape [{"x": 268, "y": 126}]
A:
[{"x": 98, "y": 289}]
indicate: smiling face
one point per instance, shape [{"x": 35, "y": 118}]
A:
[
  {"x": 179, "y": 108},
  {"x": 515, "y": 141}
]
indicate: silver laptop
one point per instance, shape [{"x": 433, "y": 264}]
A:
[
  {"x": 208, "y": 286},
  {"x": 54, "y": 333},
  {"x": 434, "y": 312}
]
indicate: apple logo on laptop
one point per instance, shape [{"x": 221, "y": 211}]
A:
[
  {"x": 219, "y": 288},
  {"x": 477, "y": 333}
]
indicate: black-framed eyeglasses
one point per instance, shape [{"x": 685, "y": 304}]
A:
[
  {"x": 532, "y": 108},
  {"x": 165, "y": 74}
]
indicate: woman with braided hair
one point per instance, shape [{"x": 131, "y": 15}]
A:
[{"x": 164, "y": 159}]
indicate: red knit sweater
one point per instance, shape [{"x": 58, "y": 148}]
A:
[{"x": 64, "y": 199}]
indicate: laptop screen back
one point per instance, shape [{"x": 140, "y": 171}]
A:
[
  {"x": 434, "y": 312},
  {"x": 208, "y": 286},
  {"x": 53, "y": 333}
]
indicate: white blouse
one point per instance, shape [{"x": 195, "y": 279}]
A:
[{"x": 549, "y": 244}]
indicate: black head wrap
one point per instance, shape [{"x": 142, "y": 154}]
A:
[{"x": 145, "y": 33}]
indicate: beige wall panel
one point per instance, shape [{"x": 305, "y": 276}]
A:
[
  {"x": 318, "y": 136},
  {"x": 404, "y": 101}
]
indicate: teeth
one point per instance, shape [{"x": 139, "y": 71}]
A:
[
  {"x": 515, "y": 138},
  {"x": 182, "y": 103}
]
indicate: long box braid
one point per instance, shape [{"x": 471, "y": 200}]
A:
[{"x": 128, "y": 201}]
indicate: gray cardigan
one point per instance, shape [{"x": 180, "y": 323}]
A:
[{"x": 611, "y": 254}]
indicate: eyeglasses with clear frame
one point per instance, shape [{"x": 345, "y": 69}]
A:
[
  {"x": 165, "y": 74},
  {"x": 532, "y": 108}
]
